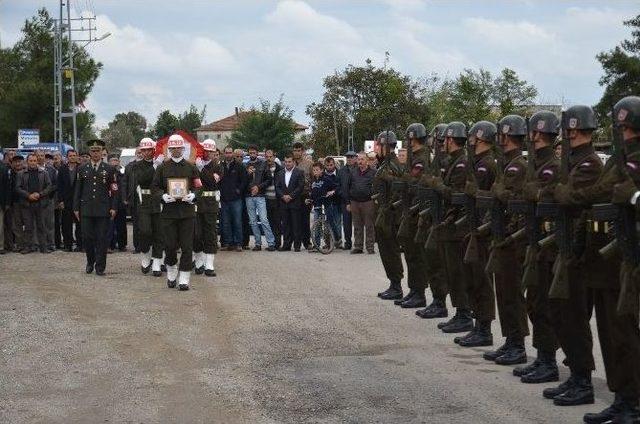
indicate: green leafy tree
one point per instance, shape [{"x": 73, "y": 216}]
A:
[
  {"x": 511, "y": 94},
  {"x": 166, "y": 124},
  {"x": 125, "y": 130},
  {"x": 191, "y": 119},
  {"x": 621, "y": 67},
  {"x": 267, "y": 126},
  {"x": 470, "y": 96},
  {"x": 26, "y": 83}
]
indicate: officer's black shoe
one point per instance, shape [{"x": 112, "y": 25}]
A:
[
  {"x": 163, "y": 268},
  {"x": 552, "y": 392},
  {"x": 581, "y": 393},
  {"x": 493, "y": 354},
  {"x": 210, "y": 272},
  {"x": 515, "y": 354},
  {"x": 546, "y": 372},
  {"x": 199, "y": 270},
  {"x": 458, "y": 339},
  {"x": 171, "y": 284},
  {"x": 145, "y": 269},
  {"x": 437, "y": 309},
  {"x": 527, "y": 369},
  {"x": 407, "y": 297},
  {"x": 417, "y": 301},
  {"x": 89, "y": 269},
  {"x": 482, "y": 336},
  {"x": 393, "y": 292},
  {"x": 629, "y": 414},
  {"x": 100, "y": 272},
  {"x": 461, "y": 322},
  {"x": 606, "y": 414}
]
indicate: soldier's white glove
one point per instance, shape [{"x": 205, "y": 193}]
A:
[
  {"x": 199, "y": 163},
  {"x": 158, "y": 161},
  {"x": 189, "y": 198},
  {"x": 167, "y": 198}
]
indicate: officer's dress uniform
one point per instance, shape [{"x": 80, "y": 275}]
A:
[
  {"x": 386, "y": 224},
  {"x": 177, "y": 220},
  {"x": 207, "y": 205},
  {"x": 96, "y": 193},
  {"x": 150, "y": 230},
  {"x": 509, "y": 257}
]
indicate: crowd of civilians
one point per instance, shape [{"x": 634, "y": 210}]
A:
[{"x": 261, "y": 196}]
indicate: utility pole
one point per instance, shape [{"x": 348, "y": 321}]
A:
[{"x": 64, "y": 49}]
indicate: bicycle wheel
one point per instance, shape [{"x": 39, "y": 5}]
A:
[{"x": 328, "y": 240}]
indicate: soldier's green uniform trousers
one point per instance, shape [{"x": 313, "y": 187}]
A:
[
  {"x": 150, "y": 232},
  {"x": 416, "y": 269},
  {"x": 178, "y": 232},
  {"x": 433, "y": 266},
  {"x": 480, "y": 289},
  {"x": 206, "y": 233},
  {"x": 508, "y": 282},
  {"x": 390, "y": 255},
  {"x": 453, "y": 265},
  {"x": 544, "y": 336}
]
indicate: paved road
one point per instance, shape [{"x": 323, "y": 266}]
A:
[{"x": 276, "y": 337}]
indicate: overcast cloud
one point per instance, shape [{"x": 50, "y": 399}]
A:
[{"x": 168, "y": 54}]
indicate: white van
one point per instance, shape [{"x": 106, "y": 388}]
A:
[{"x": 127, "y": 156}]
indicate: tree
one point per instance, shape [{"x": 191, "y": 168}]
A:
[
  {"x": 125, "y": 130},
  {"x": 26, "y": 82},
  {"x": 166, "y": 124},
  {"x": 470, "y": 96},
  {"x": 621, "y": 69},
  {"x": 267, "y": 126},
  {"x": 191, "y": 119},
  {"x": 511, "y": 94}
]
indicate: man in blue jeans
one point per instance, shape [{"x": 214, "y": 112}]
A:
[
  {"x": 258, "y": 179},
  {"x": 232, "y": 188}
]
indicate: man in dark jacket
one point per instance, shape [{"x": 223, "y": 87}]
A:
[
  {"x": 95, "y": 202},
  {"x": 15, "y": 220},
  {"x": 131, "y": 199},
  {"x": 259, "y": 178},
  {"x": 289, "y": 191},
  {"x": 333, "y": 206},
  {"x": 273, "y": 206},
  {"x": 5, "y": 194},
  {"x": 343, "y": 176},
  {"x": 118, "y": 226},
  {"x": 34, "y": 188},
  {"x": 67, "y": 176},
  {"x": 232, "y": 193},
  {"x": 49, "y": 211},
  {"x": 357, "y": 196}
]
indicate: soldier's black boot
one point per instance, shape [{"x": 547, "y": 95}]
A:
[
  {"x": 417, "y": 301},
  {"x": 437, "y": 309},
  {"x": 545, "y": 372},
  {"x": 552, "y": 392},
  {"x": 393, "y": 292},
  {"x": 527, "y": 369},
  {"x": 461, "y": 323},
  {"x": 482, "y": 337},
  {"x": 580, "y": 393},
  {"x": 628, "y": 414},
  {"x": 493, "y": 354},
  {"x": 404, "y": 299},
  {"x": 606, "y": 414},
  {"x": 515, "y": 354},
  {"x": 458, "y": 339}
]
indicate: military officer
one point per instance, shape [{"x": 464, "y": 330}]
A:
[
  {"x": 616, "y": 300},
  {"x": 538, "y": 274},
  {"x": 433, "y": 258},
  {"x": 95, "y": 202},
  {"x": 416, "y": 135},
  {"x": 571, "y": 299},
  {"x": 481, "y": 176},
  {"x": 386, "y": 219},
  {"x": 507, "y": 253},
  {"x": 205, "y": 244},
  {"x": 175, "y": 182},
  {"x": 148, "y": 209}
]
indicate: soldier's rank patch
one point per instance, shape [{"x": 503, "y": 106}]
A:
[
  {"x": 573, "y": 122},
  {"x": 482, "y": 169},
  {"x": 585, "y": 164},
  {"x": 114, "y": 187},
  {"x": 540, "y": 125},
  {"x": 622, "y": 114},
  {"x": 547, "y": 172},
  {"x": 460, "y": 165},
  {"x": 513, "y": 168},
  {"x": 632, "y": 165}
]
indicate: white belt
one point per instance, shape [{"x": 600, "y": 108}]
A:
[
  {"x": 210, "y": 193},
  {"x": 145, "y": 191}
]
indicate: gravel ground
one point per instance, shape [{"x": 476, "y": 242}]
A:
[{"x": 276, "y": 337}]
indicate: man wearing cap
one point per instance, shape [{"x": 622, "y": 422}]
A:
[
  {"x": 147, "y": 209},
  {"x": 175, "y": 182},
  {"x": 205, "y": 244},
  {"x": 95, "y": 203},
  {"x": 343, "y": 175}
]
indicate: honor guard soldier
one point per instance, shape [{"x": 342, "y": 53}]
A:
[
  {"x": 418, "y": 160},
  {"x": 611, "y": 274},
  {"x": 542, "y": 174},
  {"x": 148, "y": 210},
  {"x": 95, "y": 202},
  {"x": 175, "y": 182},
  {"x": 205, "y": 244},
  {"x": 386, "y": 220}
]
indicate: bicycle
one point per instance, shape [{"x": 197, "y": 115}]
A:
[{"x": 322, "y": 238}]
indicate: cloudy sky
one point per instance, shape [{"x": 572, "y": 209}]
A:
[{"x": 168, "y": 54}]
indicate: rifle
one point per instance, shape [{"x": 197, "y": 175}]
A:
[{"x": 563, "y": 218}]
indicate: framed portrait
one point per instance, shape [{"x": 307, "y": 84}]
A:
[{"x": 177, "y": 187}]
